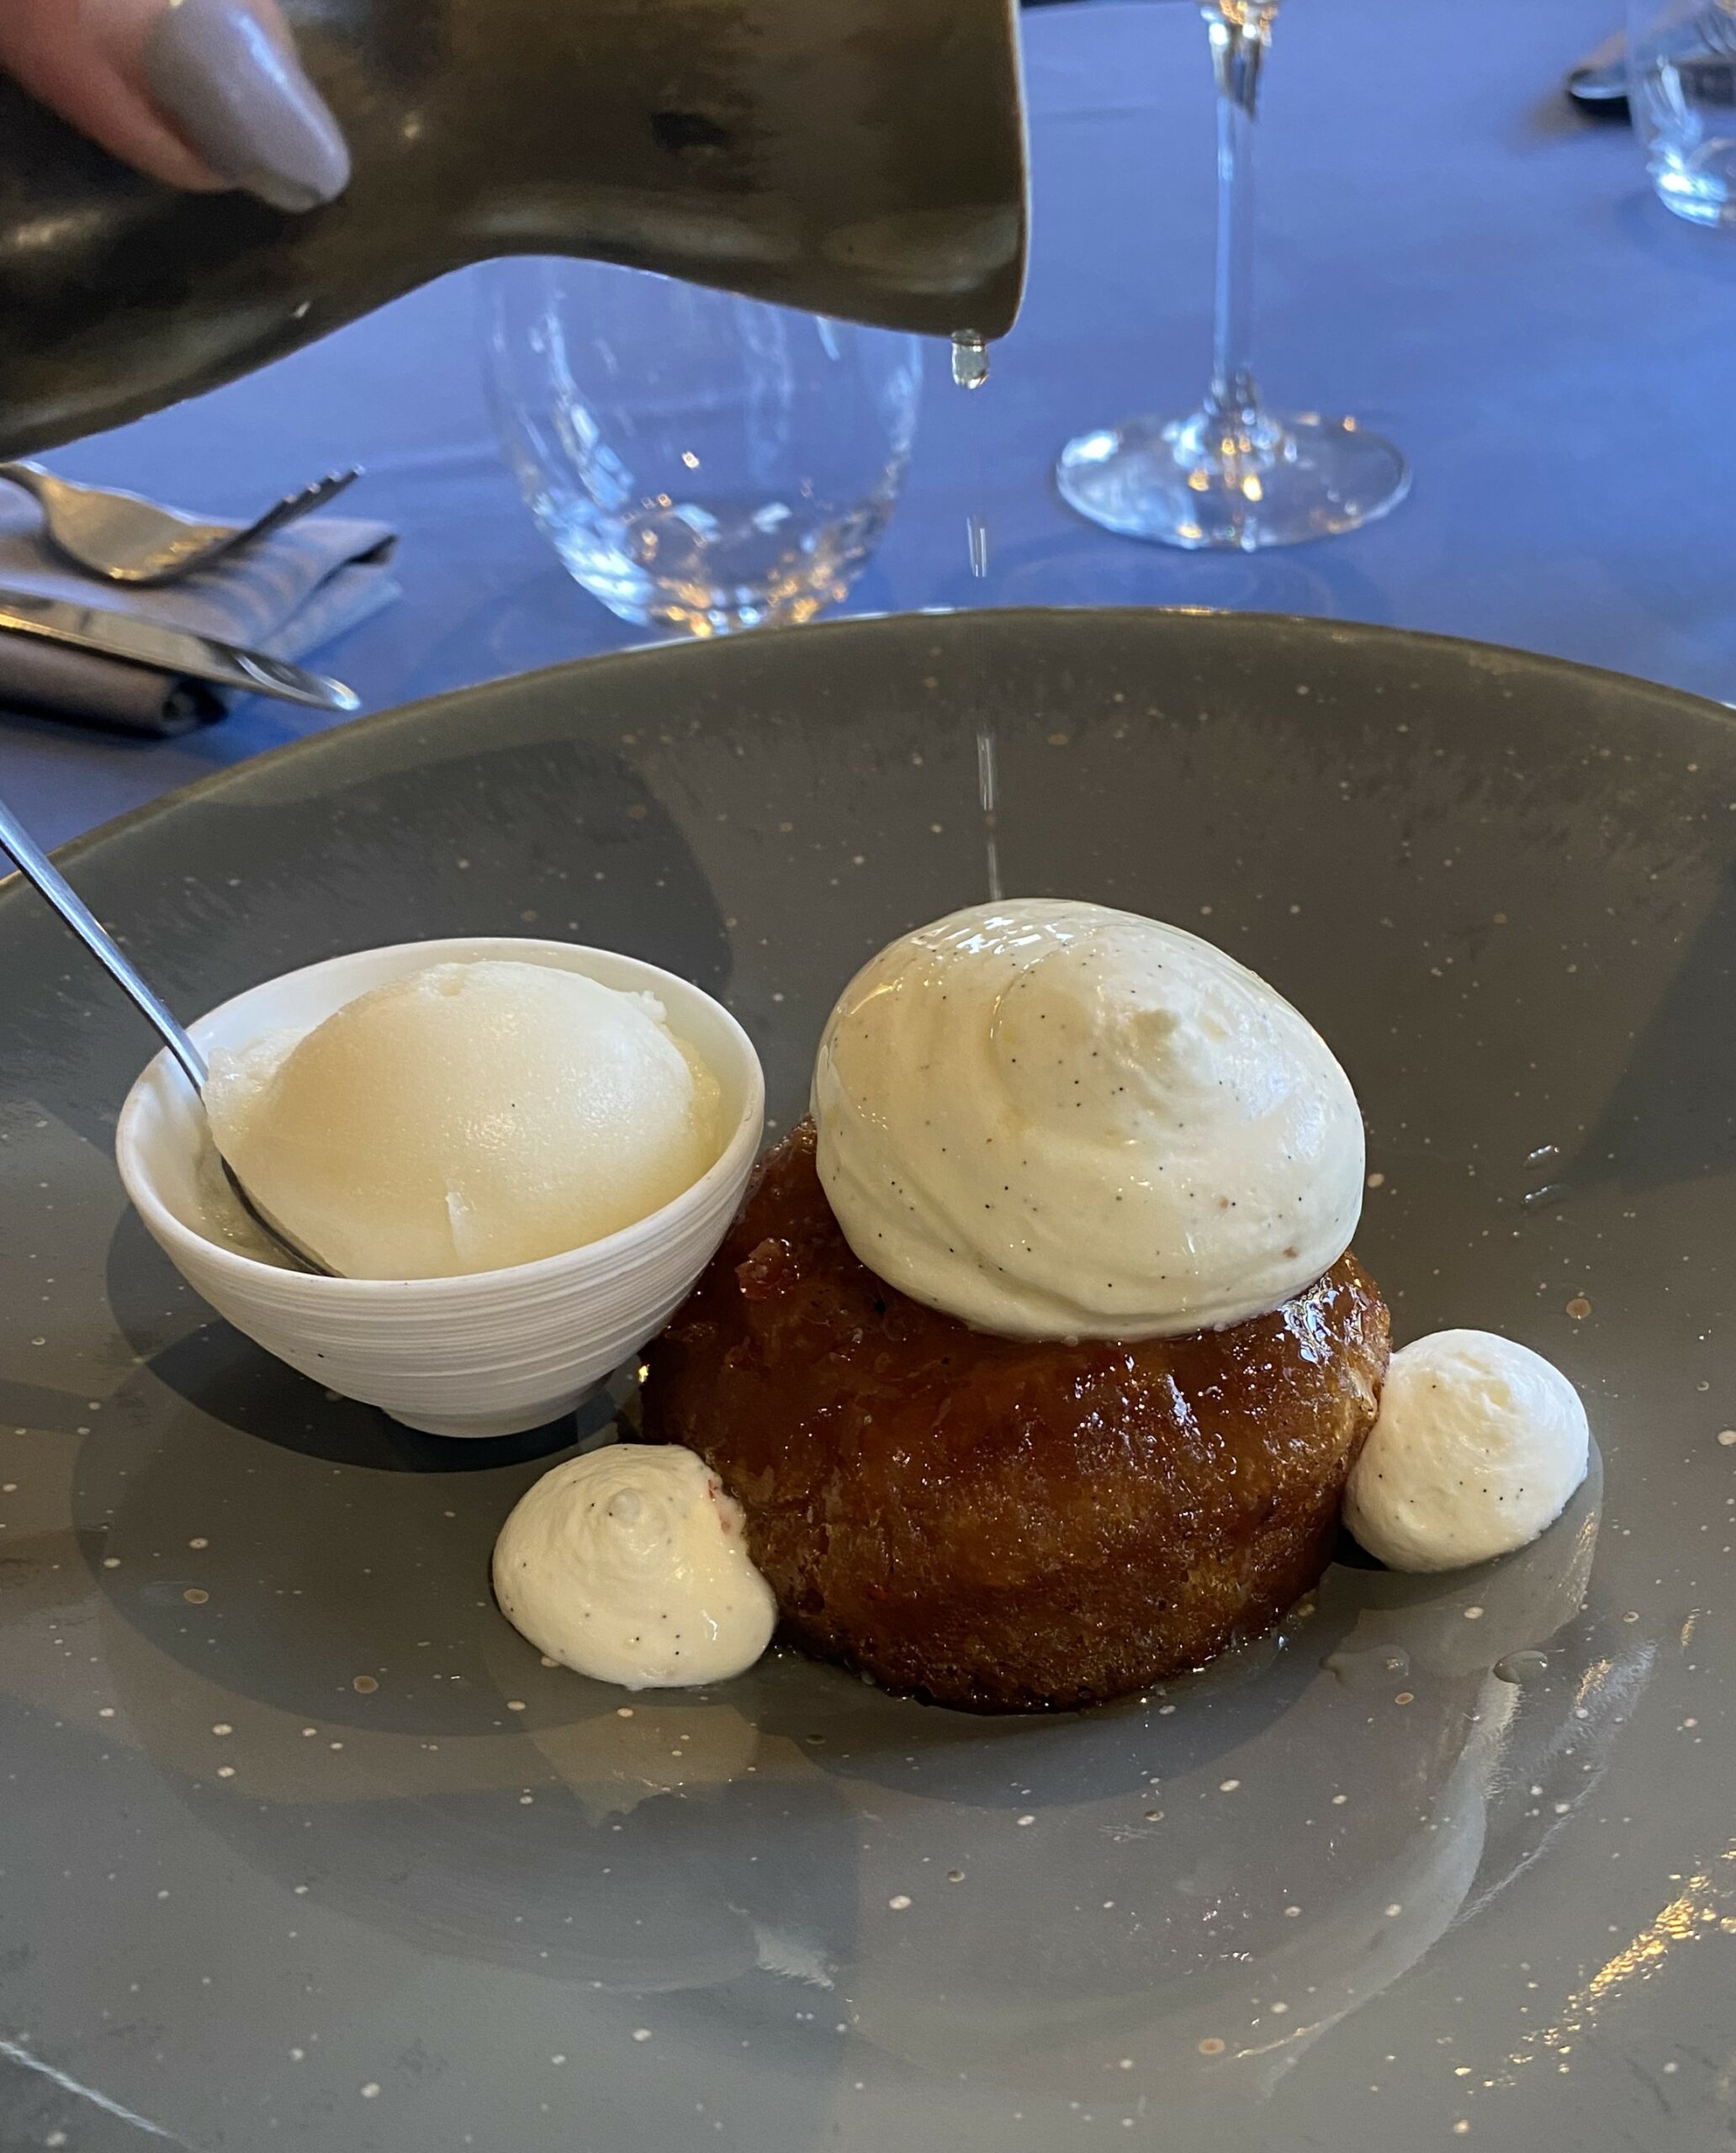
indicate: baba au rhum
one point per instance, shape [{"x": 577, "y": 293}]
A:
[{"x": 1036, "y": 1361}]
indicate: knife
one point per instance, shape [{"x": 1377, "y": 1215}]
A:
[{"x": 109, "y": 634}]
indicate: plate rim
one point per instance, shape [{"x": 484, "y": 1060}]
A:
[{"x": 1328, "y": 629}]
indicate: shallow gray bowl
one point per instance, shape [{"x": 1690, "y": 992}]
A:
[{"x": 303, "y": 1847}]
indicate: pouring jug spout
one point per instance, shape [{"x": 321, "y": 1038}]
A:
[{"x": 863, "y": 158}]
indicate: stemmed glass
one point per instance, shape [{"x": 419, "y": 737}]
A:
[{"x": 1233, "y": 474}]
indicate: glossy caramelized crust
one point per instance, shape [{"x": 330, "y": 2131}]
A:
[{"x": 996, "y": 1524}]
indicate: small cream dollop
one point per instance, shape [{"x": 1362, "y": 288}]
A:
[
  {"x": 629, "y": 1564},
  {"x": 1052, "y": 1119},
  {"x": 470, "y": 1116},
  {"x": 1478, "y": 1446}
]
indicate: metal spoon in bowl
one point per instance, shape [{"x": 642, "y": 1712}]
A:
[{"x": 38, "y": 870}]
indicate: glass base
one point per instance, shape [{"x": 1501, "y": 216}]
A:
[
  {"x": 1699, "y": 184},
  {"x": 709, "y": 568},
  {"x": 1206, "y": 481}
]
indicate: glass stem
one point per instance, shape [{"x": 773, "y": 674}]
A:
[{"x": 1240, "y": 30}]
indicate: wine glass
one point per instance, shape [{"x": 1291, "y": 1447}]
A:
[{"x": 1233, "y": 474}]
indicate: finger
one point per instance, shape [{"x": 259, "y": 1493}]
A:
[
  {"x": 202, "y": 93},
  {"x": 85, "y": 59},
  {"x": 227, "y": 74}
]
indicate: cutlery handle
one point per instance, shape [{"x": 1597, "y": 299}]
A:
[
  {"x": 143, "y": 641},
  {"x": 36, "y": 867}
]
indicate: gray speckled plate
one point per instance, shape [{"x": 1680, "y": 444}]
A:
[{"x": 303, "y": 1847}]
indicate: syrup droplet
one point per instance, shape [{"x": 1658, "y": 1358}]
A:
[
  {"x": 1519, "y": 1666},
  {"x": 1371, "y": 1668},
  {"x": 970, "y": 359},
  {"x": 987, "y": 788}
]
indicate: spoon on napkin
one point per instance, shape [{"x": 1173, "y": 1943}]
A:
[{"x": 39, "y": 871}]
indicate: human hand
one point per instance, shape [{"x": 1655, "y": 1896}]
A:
[{"x": 204, "y": 94}]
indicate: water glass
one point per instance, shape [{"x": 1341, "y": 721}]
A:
[
  {"x": 699, "y": 461},
  {"x": 1681, "y": 88}
]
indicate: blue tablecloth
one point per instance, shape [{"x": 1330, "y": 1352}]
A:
[{"x": 1446, "y": 249}]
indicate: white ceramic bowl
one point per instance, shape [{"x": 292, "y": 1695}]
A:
[{"x": 494, "y": 1352}]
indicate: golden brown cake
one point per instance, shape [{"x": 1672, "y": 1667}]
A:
[{"x": 1005, "y": 1524}]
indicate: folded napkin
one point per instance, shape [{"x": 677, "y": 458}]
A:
[{"x": 285, "y": 595}]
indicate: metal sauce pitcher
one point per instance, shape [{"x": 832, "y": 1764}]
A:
[{"x": 864, "y": 158}]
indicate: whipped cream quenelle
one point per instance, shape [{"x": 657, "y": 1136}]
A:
[
  {"x": 629, "y": 1564},
  {"x": 471, "y": 1116},
  {"x": 1478, "y": 1444},
  {"x": 1052, "y": 1120}
]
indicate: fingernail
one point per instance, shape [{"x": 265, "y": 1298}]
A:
[{"x": 238, "y": 93}]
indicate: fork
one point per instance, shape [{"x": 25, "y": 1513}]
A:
[
  {"x": 1599, "y": 82},
  {"x": 127, "y": 539}
]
